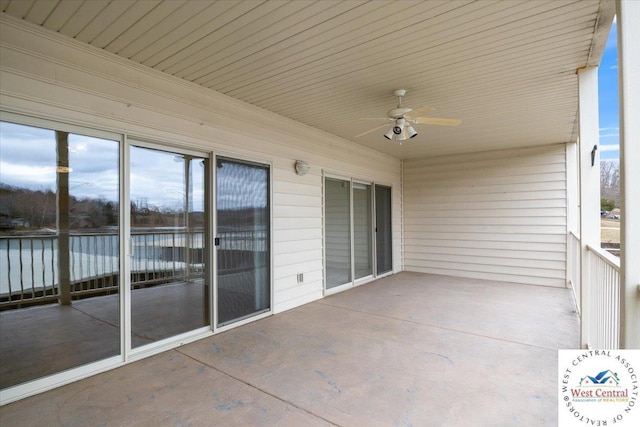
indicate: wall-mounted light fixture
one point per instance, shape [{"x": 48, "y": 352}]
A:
[{"x": 302, "y": 167}]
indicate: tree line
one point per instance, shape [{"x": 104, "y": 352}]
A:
[
  {"x": 22, "y": 209},
  {"x": 25, "y": 209},
  {"x": 609, "y": 185}
]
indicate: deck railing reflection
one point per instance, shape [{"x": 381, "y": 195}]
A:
[{"x": 29, "y": 270}]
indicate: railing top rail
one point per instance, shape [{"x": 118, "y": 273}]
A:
[
  {"x": 573, "y": 233},
  {"x": 606, "y": 257},
  {"x": 110, "y": 233},
  {"x": 31, "y": 236}
]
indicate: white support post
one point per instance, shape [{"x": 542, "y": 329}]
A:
[
  {"x": 573, "y": 189},
  {"x": 628, "y": 17},
  {"x": 573, "y": 221},
  {"x": 589, "y": 167}
]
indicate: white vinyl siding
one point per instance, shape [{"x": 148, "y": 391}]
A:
[
  {"x": 498, "y": 215},
  {"x": 48, "y": 76}
]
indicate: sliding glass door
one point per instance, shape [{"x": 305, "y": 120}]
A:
[
  {"x": 362, "y": 230},
  {"x": 242, "y": 239},
  {"x": 105, "y": 249},
  {"x": 337, "y": 223},
  {"x": 384, "y": 259},
  {"x": 355, "y": 212},
  {"x": 169, "y": 286},
  {"x": 60, "y": 292}
]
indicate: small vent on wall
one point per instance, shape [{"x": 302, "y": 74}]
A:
[{"x": 300, "y": 277}]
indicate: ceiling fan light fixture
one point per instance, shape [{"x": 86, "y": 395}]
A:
[
  {"x": 390, "y": 133},
  {"x": 402, "y": 119},
  {"x": 398, "y": 127}
]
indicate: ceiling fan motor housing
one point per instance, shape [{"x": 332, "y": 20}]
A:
[
  {"x": 399, "y": 126},
  {"x": 397, "y": 113}
]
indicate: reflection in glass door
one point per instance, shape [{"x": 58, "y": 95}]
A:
[
  {"x": 59, "y": 250},
  {"x": 362, "y": 230},
  {"x": 384, "y": 260},
  {"x": 242, "y": 240},
  {"x": 337, "y": 223},
  {"x": 169, "y": 286}
]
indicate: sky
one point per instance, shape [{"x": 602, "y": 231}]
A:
[
  {"x": 608, "y": 99},
  {"x": 157, "y": 177}
]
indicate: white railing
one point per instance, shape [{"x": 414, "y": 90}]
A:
[
  {"x": 29, "y": 264},
  {"x": 603, "y": 286},
  {"x": 573, "y": 268}
]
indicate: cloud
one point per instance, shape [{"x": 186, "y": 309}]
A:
[
  {"x": 157, "y": 178},
  {"x": 610, "y": 147},
  {"x": 609, "y": 132},
  {"x": 38, "y": 177}
]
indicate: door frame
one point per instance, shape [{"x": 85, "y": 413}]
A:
[
  {"x": 133, "y": 354},
  {"x": 361, "y": 281},
  {"x": 372, "y": 276},
  {"x": 391, "y": 270},
  {"x": 170, "y": 143},
  {"x": 214, "y": 253}
]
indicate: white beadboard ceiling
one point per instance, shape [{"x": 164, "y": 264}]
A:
[{"x": 507, "y": 69}]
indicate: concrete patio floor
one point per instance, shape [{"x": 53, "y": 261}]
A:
[{"x": 409, "y": 349}]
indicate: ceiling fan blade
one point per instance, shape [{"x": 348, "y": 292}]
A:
[
  {"x": 374, "y": 118},
  {"x": 419, "y": 111},
  {"x": 437, "y": 121},
  {"x": 370, "y": 130}
]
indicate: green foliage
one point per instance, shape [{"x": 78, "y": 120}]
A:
[{"x": 607, "y": 204}]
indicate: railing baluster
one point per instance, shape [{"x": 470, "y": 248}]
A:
[
  {"x": 111, "y": 257},
  {"x": 33, "y": 278},
  {"x": 9, "y": 267},
  {"x": 87, "y": 277},
  {"x": 101, "y": 262},
  {"x": 104, "y": 263},
  {"x": 153, "y": 254},
  {"x": 53, "y": 270},
  {"x": 96, "y": 255},
  {"x": 80, "y": 264},
  {"x": 146, "y": 258},
  {"x": 72, "y": 260},
  {"x": 21, "y": 278},
  {"x": 42, "y": 261}
]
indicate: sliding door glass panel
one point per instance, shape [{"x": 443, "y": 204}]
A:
[
  {"x": 362, "y": 230},
  {"x": 59, "y": 251},
  {"x": 337, "y": 232},
  {"x": 169, "y": 287},
  {"x": 384, "y": 260},
  {"x": 242, "y": 235}
]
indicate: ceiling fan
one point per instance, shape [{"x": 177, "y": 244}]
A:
[{"x": 402, "y": 120}]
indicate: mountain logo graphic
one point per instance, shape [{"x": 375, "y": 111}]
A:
[{"x": 607, "y": 378}]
